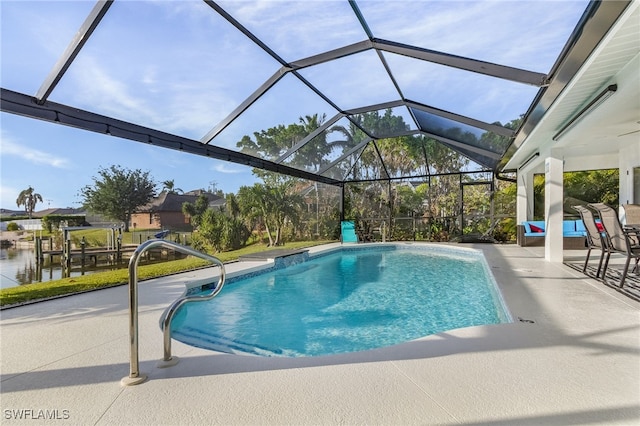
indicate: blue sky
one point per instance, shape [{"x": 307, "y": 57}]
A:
[{"x": 179, "y": 67}]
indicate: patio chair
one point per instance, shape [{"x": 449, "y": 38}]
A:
[
  {"x": 632, "y": 213},
  {"x": 618, "y": 239},
  {"x": 594, "y": 238}
]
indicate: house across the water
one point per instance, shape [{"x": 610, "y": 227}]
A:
[{"x": 165, "y": 211}]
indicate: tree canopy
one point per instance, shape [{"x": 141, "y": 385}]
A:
[
  {"x": 118, "y": 192},
  {"x": 28, "y": 198},
  {"x": 589, "y": 186},
  {"x": 196, "y": 210}
]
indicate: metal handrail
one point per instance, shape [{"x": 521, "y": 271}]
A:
[{"x": 134, "y": 372}]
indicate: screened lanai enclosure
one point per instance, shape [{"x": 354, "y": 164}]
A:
[{"x": 399, "y": 115}]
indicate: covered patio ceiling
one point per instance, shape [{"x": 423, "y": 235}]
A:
[{"x": 343, "y": 61}]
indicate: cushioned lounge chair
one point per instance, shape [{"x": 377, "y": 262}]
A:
[
  {"x": 348, "y": 234},
  {"x": 594, "y": 238},
  {"x": 619, "y": 240}
]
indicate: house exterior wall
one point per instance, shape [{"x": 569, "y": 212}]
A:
[
  {"x": 159, "y": 220},
  {"x": 173, "y": 220},
  {"x": 145, "y": 220}
]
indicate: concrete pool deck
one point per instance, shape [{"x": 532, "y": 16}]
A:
[{"x": 578, "y": 362}]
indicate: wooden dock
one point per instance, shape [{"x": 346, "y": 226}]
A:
[
  {"x": 91, "y": 254},
  {"x": 97, "y": 251},
  {"x": 101, "y": 255}
]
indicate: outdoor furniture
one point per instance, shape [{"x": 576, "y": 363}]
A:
[
  {"x": 533, "y": 232},
  {"x": 594, "y": 238},
  {"x": 364, "y": 235},
  {"x": 618, "y": 239},
  {"x": 632, "y": 214},
  {"x": 348, "y": 228}
]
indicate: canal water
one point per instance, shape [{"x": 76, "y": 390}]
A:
[{"x": 18, "y": 266}]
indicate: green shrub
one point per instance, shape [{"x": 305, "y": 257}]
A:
[
  {"x": 54, "y": 221},
  {"x": 12, "y": 226},
  {"x": 220, "y": 232},
  {"x": 12, "y": 218},
  {"x": 505, "y": 230}
]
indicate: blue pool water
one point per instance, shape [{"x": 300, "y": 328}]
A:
[{"x": 352, "y": 300}]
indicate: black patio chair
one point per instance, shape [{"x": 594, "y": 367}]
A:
[
  {"x": 619, "y": 239},
  {"x": 595, "y": 239}
]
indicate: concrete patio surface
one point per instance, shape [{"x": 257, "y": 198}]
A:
[{"x": 574, "y": 360}]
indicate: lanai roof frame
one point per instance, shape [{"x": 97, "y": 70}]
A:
[{"x": 380, "y": 45}]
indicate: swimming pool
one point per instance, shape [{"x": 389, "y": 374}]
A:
[{"x": 353, "y": 299}]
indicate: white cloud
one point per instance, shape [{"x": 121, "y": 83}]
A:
[
  {"x": 226, "y": 169},
  {"x": 525, "y": 34},
  {"x": 33, "y": 155},
  {"x": 8, "y": 197},
  {"x": 110, "y": 94},
  {"x": 298, "y": 29},
  {"x": 150, "y": 78}
]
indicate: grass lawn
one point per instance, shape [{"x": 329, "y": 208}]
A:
[{"x": 30, "y": 292}]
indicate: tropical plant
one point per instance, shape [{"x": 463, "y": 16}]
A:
[
  {"x": 217, "y": 229},
  {"x": 592, "y": 186},
  {"x": 372, "y": 200},
  {"x": 169, "y": 186},
  {"x": 117, "y": 193},
  {"x": 276, "y": 141},
  {"x": 275, "y": 203},
  {"x": 312, "y": 154},
  {"x": 28, "y": 198},
  {"x": 220, "y": 232},
  {"x": 196, "y": 210},
  {"x": 53, "y": 222}
]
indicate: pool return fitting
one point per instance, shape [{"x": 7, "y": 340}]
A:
[{"x": 134, "y": 376}]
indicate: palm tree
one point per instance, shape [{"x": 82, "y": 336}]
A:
[
  {"x": 253, "y": 207},
  {"x": 274, "y": 203},
  {"x": 28, "y": 199},
  {"x": 169, "y": 185},
  {"x": 312, "y": 154}
]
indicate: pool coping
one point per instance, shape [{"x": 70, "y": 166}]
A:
[{"x": 271, "y": 254}]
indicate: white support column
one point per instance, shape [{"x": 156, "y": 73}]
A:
[
  {"x": 628, "y": 159},
  {"x": 524, "y": 200},
  {"x": 553, "y": 197}
]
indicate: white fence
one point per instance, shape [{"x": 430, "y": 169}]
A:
[{"x": 25, "y": 224}]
